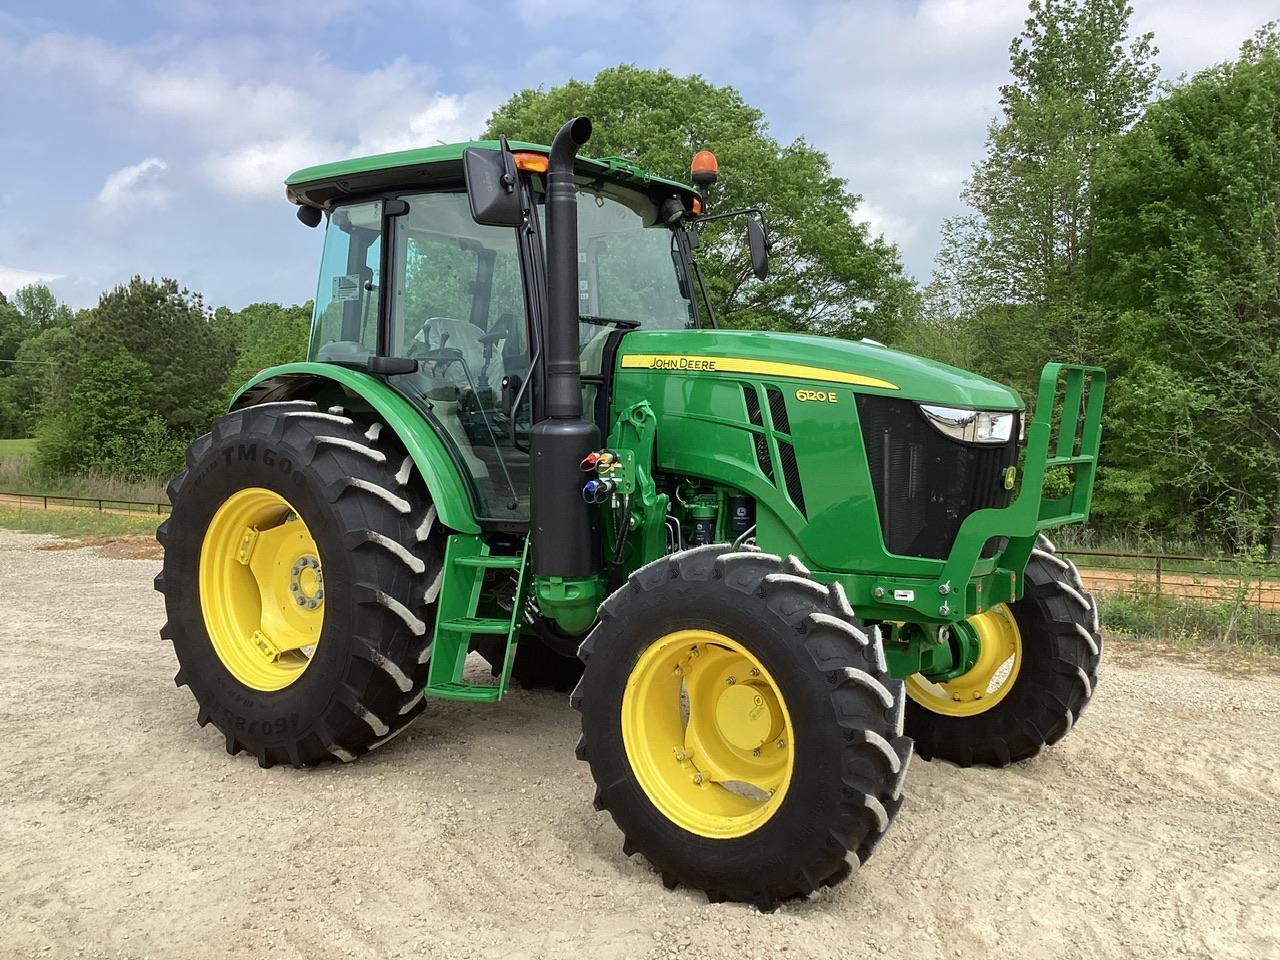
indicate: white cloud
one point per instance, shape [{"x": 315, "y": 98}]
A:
[
  {"x": 880, "y": 222},
  {"x": 13, "y": 278},
  {"x": 136, "y": 187},
  {"x": 444, "y": 118},
  {"x": 236, "y": 94},
  {"x": 258, "y": 169},
  {"x": 276, "y": 13},
  {"x": 539, "y": 12},
  {"x": 900, "y": 95},
  {"x": 252, "y": 120},
  {"x": 1192, "y": 34}
]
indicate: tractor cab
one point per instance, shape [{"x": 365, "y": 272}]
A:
[{"x": 451, "y": 311}]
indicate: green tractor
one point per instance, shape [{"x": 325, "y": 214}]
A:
[{"x": 766, "y": 563}]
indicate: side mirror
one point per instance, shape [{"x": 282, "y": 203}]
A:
[
  {"x": 759, "y": 245},
  {"x": 492, "y": 186}
]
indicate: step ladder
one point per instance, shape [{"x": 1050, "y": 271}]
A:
[{"x": 466, "y": 560}]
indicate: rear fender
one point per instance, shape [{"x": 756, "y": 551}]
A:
[{"x": 295, "y": 381}]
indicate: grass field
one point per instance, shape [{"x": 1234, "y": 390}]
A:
[
  {"x": 70, "y": 523},
  {"x": 11, "y": 449},
  {"x": 20, "y": 474}
]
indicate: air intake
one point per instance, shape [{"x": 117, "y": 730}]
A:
[
  {"x": 758, "y": 440},
  {"x": 778, "y": 411},
  {"x": 791, "y": 474}
]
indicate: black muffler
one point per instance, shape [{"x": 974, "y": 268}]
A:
[{"x": 566, "y": 541}]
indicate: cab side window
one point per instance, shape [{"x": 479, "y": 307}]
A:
[{"x": 344, "y": 324}]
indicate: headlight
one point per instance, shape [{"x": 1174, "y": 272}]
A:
[{"x": 971, "y": 426}]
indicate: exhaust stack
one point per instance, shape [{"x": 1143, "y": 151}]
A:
[{"x": 563, "y": 525}]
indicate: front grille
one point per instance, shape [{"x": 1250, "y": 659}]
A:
[{"x": 925, "y": 483}]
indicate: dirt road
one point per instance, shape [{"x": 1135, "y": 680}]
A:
[
  {"x": 128, "y": 832},
  {"x": 1190, "y": 586}
]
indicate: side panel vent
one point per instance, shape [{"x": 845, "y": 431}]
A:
[
  {"x": 778, "y": 410},
  {"x": 758, "y": 440},
  {"x": 762, "y": 456},
  {"x": 791, "y": 473},
  {"x": 753, "y": 404}
]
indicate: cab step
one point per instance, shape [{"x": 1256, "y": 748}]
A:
[
  {"x": 475, "y": 625},
  {"x": 466, "y": 560},
  {"x": 471, "y": 692},
  {"x": 492, "y": 563}
]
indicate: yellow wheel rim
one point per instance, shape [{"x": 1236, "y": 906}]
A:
[
  {"x": 707, "y": 733},
  {"x": 261, "y": 589},
  {"x": 991, "y": 677}
]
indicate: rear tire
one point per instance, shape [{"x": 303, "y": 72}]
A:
[
  {"x": 801, "y": 646},
  {"x": 1061, "y": 649},
  {"x": 352, "y": 485}
]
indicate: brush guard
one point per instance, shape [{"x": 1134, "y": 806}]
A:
[{"x": 1064, "y": 436}]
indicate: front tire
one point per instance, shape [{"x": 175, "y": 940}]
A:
[
  {"x": 1055, "y": 648},
  {"x": 742, "y": 730},
  {"x": 300, "y": 571}
]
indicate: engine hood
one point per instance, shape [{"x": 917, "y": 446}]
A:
[{"x": 822, "y": 361}]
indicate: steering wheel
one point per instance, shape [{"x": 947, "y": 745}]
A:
[{"x": 421, "y": 346}]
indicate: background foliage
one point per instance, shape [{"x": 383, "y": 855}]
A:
[
  {"x": 828, "y": 274},
  {"x": 1111, "y": 220}
]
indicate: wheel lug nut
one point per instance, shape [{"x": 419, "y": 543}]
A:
[{"x": 731, "y": 681}]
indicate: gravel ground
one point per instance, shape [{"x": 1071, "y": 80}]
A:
[{"x": 128, "y": 832}]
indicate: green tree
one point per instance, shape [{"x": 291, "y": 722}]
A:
[
  {"x": 41, "y": 307},
  {"x": 15, "y": 329},
  {"x": 106, "y": 412},
  {"x": 267, "y": 334},
  {"x": 147, "y": 350},
  {"x": 170, "y": 330},
  {"x": 1077, "y": 83},
  {"x": 828, "y": 275},
  {"x": 1184, "y": 268},
  {"x": 35, "y": 376},
  {"x": 32, "y": 316}
]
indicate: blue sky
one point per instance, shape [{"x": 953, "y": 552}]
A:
[{"x": 153, "y": 136}]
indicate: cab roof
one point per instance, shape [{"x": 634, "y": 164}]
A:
[{"x": 328, "y": 184}]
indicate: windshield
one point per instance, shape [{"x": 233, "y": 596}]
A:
[{"x": 628, "y": 268}]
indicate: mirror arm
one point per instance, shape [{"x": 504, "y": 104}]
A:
[
  {"x": 743, "y": 212},
  {"x": 706, "y": 298}
]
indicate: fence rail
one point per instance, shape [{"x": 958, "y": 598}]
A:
[
  {"x": 1206, "y": 579},
  {"x": 56, "y": 501}
]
